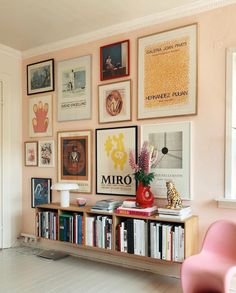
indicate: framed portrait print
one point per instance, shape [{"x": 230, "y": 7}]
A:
[
  {"x": 113, "y": 172},
  {"x": 40, "y": 116},
  {"x": 40, "y": 77},
  {"x": 74, "y": 158},
  {"x": 172, "y": 141},
  {"x": 114, "y": 102},
  {"x": 31, "y": 153},
  {"x": 167, "y": 73},
  {"x": 46, "y": 153},
  {"x": 74, "y": 89},
  {"x": 40, "y": 191},
  {"x": 114, "y": 60}
]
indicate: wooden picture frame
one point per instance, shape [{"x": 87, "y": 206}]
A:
[
  {"x": 46, "y": 153},
  {"x": 40, "y": 191},
  {"x": 31, "y": 153},
  {"x": 114, "y": 102},
  {"x": 74, "y": 89},
  {"x": 74, "y": 158},
  {"x": 167, "y": 73},
  {"x": 40, "y": 116},
  {"x": 40, "y": 77},
  {"x": 113, "y": 172},
  {"x": 173, "y": 143},
  {"x": 115, "y": 60}
]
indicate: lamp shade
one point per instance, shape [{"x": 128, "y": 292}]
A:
[{"x": 64, "y": 189}]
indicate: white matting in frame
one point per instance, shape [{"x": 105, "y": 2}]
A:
[{"x": 173, "y": 142}]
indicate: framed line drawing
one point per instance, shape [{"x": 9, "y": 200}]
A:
[
  {"x": 40, "y": 116},
  {"x": 40, "y": 191},
  {"x": 173, "y": 142},
  {"x": 114, "y": 102},
  {"x": 46, "y": 153},
  {"x": 31, "y": 153},
  {"x": 167, "y": 73},
  {"x": 74, "y": 89},
  {"x": 74, "y": 158},
  {"x": 113, "y": 172},
  {"x": 40, "y": 77},
  {"x": 114, "y": 60}
]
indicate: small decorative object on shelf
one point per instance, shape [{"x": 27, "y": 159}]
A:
[
  {"x": 146, "y": 159},
  {"x": 173, "y": 197},
  {"x": 81, "y": 201}
]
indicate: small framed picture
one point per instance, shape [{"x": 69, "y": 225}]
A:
[
  {"x": 114, "y": 102},
  {"x": 40, "y": 191},
  {"x": 40, "y": 77},
  {"x": 114, "y": 60},
  {"x": 46, "y": 153},
  {"x": 31, "y": 153}
]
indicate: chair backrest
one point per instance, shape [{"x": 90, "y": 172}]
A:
[{"x": 221, "y": 239}]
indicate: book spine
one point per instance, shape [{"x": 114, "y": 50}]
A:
[{"x": 134, "y": 213}]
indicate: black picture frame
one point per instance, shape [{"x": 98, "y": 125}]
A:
[
  {"x": 40, "y": 77},
  {"x": 41, "y": 192},
  {"x": 114, "y": 176}
]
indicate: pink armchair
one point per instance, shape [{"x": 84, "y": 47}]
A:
[{"x": 211, "y": 270}]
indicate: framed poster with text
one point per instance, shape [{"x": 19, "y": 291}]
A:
[
  {"x": 74, "y": 158},
  {"x": 172, "y": 141},
  {"x": 113, "y": 172},
  {"x": 167, "y": 73}
]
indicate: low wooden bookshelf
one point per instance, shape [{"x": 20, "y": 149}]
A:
[{"x": 49, "y": 224}]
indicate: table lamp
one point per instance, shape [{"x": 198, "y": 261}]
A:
[{"x": 64, "y": 189}]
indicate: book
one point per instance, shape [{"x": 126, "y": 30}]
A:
[
  {"x": 137, "y": 211},
  {"x": 107, "y": 205},
  {"x": 175, "y": 217},
  {"x": 177, "y": 212}
]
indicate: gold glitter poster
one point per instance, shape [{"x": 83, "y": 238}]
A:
[{"x": 167, "y": 73}]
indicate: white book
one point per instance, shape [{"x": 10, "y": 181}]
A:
[
  {"x": 143, "y": 238},
  {"x": 164, "y": 241},
  {"x": 89, "y": 230},
  {"x": 181, "y": 244},
  {"x": 136, "y": 237},
  {"x": 146, "y": 238},
  {"x": 152, "y": 235},
  {"x": 122, "y": 226},
  {"x": 103, "y": 231},
  {"x": 175, "y": 217},
  {"x": 169, "y": 242},
  {"x": 176, "y": 240}
]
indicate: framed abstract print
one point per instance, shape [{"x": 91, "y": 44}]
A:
[
  {"x": 40, "y": 77},
  {"x": 173, "y": 142},
  {"x": 74, "y": 158},
  {"x": 114, "y": 102},
  {"x": 113, "y": 172},
  {"x": 40, "y": 116},
  {"x": 74, "y": 89},
  {"x": 40, "y": 191},
  {"x": 46, "y": 153},
  {"x": 167, "y": 73},
  {"x": 31, "y": 153},
  {"x": 114, "y": 60}
]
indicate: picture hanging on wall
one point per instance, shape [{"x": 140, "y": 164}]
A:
[
  {"x": 114, "y": 60},
  {"x": 46, "y": 153},
  {"x": 40, "y": 116},
  {"x": 113, "y": 172},
  {"x": 114, "y": 102},
  {"x": 167, "y": 73},
  {"x": 31, "y": 153},
  {"x": 40, "y": 191},
  {"x": 172, "y": 141},
  {"x": 40, "y": 77},
  {"x": 74, "y": 89},
  {"x": 74, "y": 158}
]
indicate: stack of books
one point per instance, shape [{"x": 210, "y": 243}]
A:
[
  {"x": 136, "y": 211},
  {"x": 106, "y": 205},
  {"x": 175, "y": 214}
]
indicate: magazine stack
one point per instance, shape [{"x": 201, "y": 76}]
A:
[
  {"x": 175, "y": 214},
  {"x": 106, "y": 205}
]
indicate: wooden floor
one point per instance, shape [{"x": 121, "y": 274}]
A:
[{"x": 22, "y": 271}]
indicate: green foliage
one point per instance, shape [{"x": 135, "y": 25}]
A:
[{"x": 145, "y": 178}]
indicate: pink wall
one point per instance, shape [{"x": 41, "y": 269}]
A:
[{"x": 216, "y": 33}]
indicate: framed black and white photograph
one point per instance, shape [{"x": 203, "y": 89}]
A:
[
  {"x": 46, "y": 153},
  {"x": 40, "y": 77},
  {"x": 40, "y": 191},
  {"x": 114, "y": 175},
  {"x": 172, "y": 141}
]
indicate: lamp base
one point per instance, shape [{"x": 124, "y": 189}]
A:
[{"x": 65, "y": 198}]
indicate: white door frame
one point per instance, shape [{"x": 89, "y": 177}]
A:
[{"x": 1, "y": 181}]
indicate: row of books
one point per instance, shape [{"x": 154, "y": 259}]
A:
[
  {"x": 99, "y": 231},
  {"x": 71, "y": 228},
  {"x": 47, "y": 225},
  {"x": 153, "y": 239}
]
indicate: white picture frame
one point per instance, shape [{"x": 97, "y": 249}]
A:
[
  {"x": 46, "y": 153},
  {"x": 173, "y": 143}
]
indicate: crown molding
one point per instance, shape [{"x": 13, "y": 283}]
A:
[
  {"x": 10, "y": 52},
  {"x": 168, "y": 15}
]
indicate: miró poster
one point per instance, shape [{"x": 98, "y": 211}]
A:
[{"x": 113, "y": 173}]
